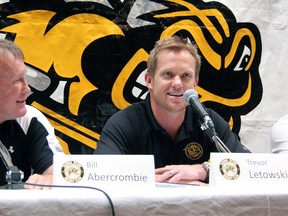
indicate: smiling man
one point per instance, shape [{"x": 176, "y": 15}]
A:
[
  {"x": 163, "y": 125},
  {"x": 24, "y": 130}
]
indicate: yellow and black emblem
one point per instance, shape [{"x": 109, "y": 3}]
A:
[
  {"x": 72, "y": 171},
  {"x": 193, "y": 150},
  {"x": 229, "y": 169}
]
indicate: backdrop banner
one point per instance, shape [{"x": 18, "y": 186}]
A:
[{"x": 86, "y": 60}]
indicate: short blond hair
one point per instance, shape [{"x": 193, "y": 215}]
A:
[
  {"x": 173, "y": 43},
  {"x": 9, "y": 47}
]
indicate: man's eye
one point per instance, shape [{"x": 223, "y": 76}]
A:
[
  {"x": 18, "y": 80},
  {"x": 187, "y": 76},
  {"x": 167, "y": 74}
]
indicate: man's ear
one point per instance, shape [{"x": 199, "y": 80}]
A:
[
  {"x": 148, "y": 80},
  {"x": 196, "y": 82}
]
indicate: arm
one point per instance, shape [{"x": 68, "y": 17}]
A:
[{"x": 197, "y": 173}]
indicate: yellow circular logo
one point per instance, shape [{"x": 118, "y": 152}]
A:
[
  {"x": 72, "y": 171},
  {"x": 193, "y": 150},
  {"x": 229, "y": 169}
]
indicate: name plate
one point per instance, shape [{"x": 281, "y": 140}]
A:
[
  {"x": 248, "y": 169},
  {"x": 104, "y": 171}
]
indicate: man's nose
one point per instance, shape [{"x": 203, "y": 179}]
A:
[
  {"x": 26, "y": 89},
  {"x": 177, "y": 81}
]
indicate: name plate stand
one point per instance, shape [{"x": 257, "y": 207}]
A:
[
  {"x": 104, "y": 171},
  {"x": 248, "y": 169}
]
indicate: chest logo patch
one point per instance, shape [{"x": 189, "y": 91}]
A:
[{"x": 193, "y": 150}]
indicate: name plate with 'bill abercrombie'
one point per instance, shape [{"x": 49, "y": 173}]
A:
[
  {"x": 103, "y": 171},
  {"x": 248, "y": 169}
]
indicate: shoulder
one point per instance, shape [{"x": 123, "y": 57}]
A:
[
  {"x": 128, "y": 119},
  {"x": 33, "y": 113},
  {"x": 134, "y": 111},
  {"x": 214, "y": 115},
  {"x": 212, "y": 112},
  {"x": 282, "y": 122},
  {"x": 280, "y": 128},
  {"x": 220, "y": 123},
  {"x": 279, "y": 136}
]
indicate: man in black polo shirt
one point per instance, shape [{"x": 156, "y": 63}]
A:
[{"x": 163, "y": 124}]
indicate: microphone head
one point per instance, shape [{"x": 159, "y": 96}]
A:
[{"x": 190, "y": 93}]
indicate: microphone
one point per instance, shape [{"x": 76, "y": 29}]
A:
[
  {"x": 191, "y": 98},
  {"x": 13, "y": 173}
]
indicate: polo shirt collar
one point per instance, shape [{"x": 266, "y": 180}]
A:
[{"x": 188, "y": 121}]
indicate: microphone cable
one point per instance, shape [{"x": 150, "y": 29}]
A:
[
  {"x": 66, "y": 186},
  {"x": 15, "y": 176}
]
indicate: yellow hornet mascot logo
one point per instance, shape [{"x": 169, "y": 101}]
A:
[{"x": 86, "y": 60}]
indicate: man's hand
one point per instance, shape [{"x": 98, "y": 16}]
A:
[
  {"x": 39, "y": 179},
  {"x": 45, "y": 179},
  {"x": 184, "y": 174}
]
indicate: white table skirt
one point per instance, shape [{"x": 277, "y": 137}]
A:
[{"x": 176, "y": 201}]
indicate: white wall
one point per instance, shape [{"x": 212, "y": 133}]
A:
[{"x": 271, "y": 18}]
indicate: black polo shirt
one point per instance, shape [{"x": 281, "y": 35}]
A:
[
  {"x": 31, "y": 143},
  {"x": 134, "y": 130}
]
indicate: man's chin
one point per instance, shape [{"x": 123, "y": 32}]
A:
[
  {"x": 178, "y": 108},
  {"x": 22, "y": 112}
]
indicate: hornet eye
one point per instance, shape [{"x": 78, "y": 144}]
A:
[
  {"x": 140, "y": 90},
  {"x": 243, "y": 61}
]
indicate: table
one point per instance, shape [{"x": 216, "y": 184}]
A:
[{"x": 161, "y": 200}]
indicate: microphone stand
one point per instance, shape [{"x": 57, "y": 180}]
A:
[
  {"x": 208, "y": 127},
  {"x": 13, "y": 174}
]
